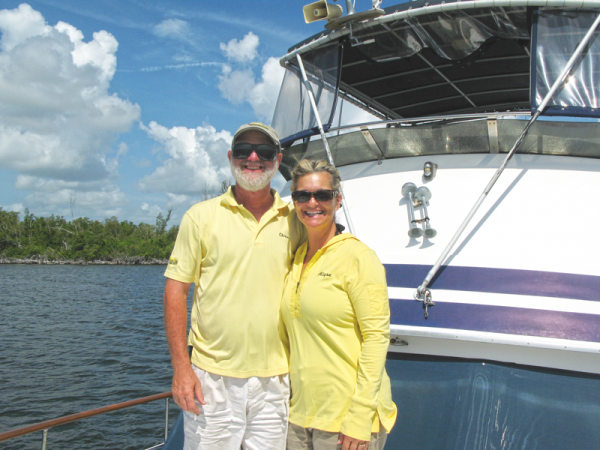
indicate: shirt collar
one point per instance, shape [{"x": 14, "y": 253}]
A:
[{"x": 229, "y": 199}]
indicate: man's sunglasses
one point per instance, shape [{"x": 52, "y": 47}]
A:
[
  {"x": 265, "y": 152},
  {"x": 322, "y": 195}
]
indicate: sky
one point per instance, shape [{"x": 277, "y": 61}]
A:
[{"x": 127, "y": 108}]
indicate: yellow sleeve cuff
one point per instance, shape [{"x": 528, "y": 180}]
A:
[{"x": 359, "y": 420}]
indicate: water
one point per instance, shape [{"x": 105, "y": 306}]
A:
[{"x": 74, "y": 338}]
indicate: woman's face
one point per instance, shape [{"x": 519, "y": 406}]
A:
[{"x": 313, "y": 213}]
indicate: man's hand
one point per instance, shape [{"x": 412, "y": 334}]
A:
[
  {"x": 186, "y": 389},
  {"x": 349, "y": 443}
]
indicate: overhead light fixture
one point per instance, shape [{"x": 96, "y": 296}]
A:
[{"x": 429, "y": 170}]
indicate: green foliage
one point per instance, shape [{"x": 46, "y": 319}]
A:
[{"x": 55, "y": 239}]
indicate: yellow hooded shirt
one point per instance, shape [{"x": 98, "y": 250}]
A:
[{"x": 336, "y": 318}]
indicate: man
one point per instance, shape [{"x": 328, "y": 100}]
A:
[{"x": 236, "y": 249}]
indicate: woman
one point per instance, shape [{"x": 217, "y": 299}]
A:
[{"x": 335, "y": 312}]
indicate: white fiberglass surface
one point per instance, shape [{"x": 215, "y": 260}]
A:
[
  {"x": 535, "y": 302},
  {"x": 552, "y": 353},
  {"x": 543, "y": 213}
]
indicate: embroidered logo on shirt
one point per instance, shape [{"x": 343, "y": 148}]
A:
[
  {"x": 284, "y": 236},
  {"x": 324, "y": 274},
  {"x": 172, "y": 261}
]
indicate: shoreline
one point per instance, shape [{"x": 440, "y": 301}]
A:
[{"x": 128, "y": 261}]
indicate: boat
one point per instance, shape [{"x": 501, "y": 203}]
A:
[{"x": 477, "y": 183}]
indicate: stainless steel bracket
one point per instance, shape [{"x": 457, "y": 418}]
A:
[
  {"x": 372, "y": 144},
  {"x": 493, "y": 134}
]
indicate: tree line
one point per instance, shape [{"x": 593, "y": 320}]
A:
[{"x": 54, "y": 239}]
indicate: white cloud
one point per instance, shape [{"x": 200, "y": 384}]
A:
[
  {"x": 19, "y": 24},
  {"x": 153, "y": 210},
  {"x": 15, "y": 207},
  {"x": 241, "y": 51},
  {"x": 29, "y": 183},
  {"x": 239, "y": 86},
  {"x": 236, "y": 85},
  {"x": 99, "y": 53},
  {"x": 91, "y": 199},
  {"x": 123, "y": 149},
  {"x": 197, "y": 158},
  {"x": 263, "y": 97},
  {"x": 173, "y": 28},
  {"x": 58, "y": 120},
  {"x": 112, "y": 164},
  {"x": 181, "y": 66},
  {"x": 177, "y": 200}
]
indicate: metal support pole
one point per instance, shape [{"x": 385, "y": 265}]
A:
[
  {"x": 421, "y": 290},
  {"x": 349, "y": 7},
  {"x": 166, "y": 418},
  {"x": 44, "y": 438},
  {"x": 313, "y": 104}
]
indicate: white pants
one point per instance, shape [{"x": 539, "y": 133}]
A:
[{"x": 247, "y": 412}]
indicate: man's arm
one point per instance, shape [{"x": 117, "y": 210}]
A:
[{"x": 186, "y": 386}]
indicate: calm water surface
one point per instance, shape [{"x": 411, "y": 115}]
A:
[{"x": 74, "y": 338}]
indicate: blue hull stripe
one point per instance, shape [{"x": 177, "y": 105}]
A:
[
  {"x": 498, "y": 319},
  {"x": 499, "y": 281}
]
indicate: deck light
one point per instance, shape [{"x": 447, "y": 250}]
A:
[{"x": 429, "y": 170}]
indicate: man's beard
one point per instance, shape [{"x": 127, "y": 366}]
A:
[{"x": 253, "y": 183}]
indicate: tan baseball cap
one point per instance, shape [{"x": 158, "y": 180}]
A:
[{"x": 257, "y": 126}]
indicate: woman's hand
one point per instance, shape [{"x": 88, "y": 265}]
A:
[{"x": 349, "y": 443}]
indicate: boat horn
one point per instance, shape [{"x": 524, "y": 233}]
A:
[
  {"x": 408, "y": 191},
  {"x": 423, "y": 195}
]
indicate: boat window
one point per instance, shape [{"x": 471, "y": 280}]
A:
[
  {"x": 458, "y": 136},
  {"x": 551, "y": 138},
  {"x": 294, "y": 117},
  {"x": 452, "y": 35},
  {"x": 558, "y": 33}
]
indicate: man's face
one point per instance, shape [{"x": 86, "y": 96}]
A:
[{"x": 253, "y": 174}]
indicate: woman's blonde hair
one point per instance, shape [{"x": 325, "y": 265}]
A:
[{"x": 308, "y": 166}]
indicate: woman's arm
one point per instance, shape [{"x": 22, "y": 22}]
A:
[{"x": 367, "y": 291}]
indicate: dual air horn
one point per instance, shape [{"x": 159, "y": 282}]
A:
[{"x": 416, "y": 198}]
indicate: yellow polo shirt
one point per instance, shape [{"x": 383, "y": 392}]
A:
[
  {"x": 238, "y": 267},
  {"x": 337, "y": 320}
]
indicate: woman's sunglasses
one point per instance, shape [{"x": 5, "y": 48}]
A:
[
  {"x": 322, "y": 195},
  {"x": 265, "y": 152}
]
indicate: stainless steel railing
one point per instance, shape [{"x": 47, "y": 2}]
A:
[{"x": 45, "y": 426}]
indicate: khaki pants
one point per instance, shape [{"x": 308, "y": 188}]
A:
[{"x": 299, "y": 438}]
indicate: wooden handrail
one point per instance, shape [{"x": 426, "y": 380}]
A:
[{"x": 82, "y": 415}]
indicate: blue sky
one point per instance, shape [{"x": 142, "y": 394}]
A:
[{"x": 127, "y": 108}]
